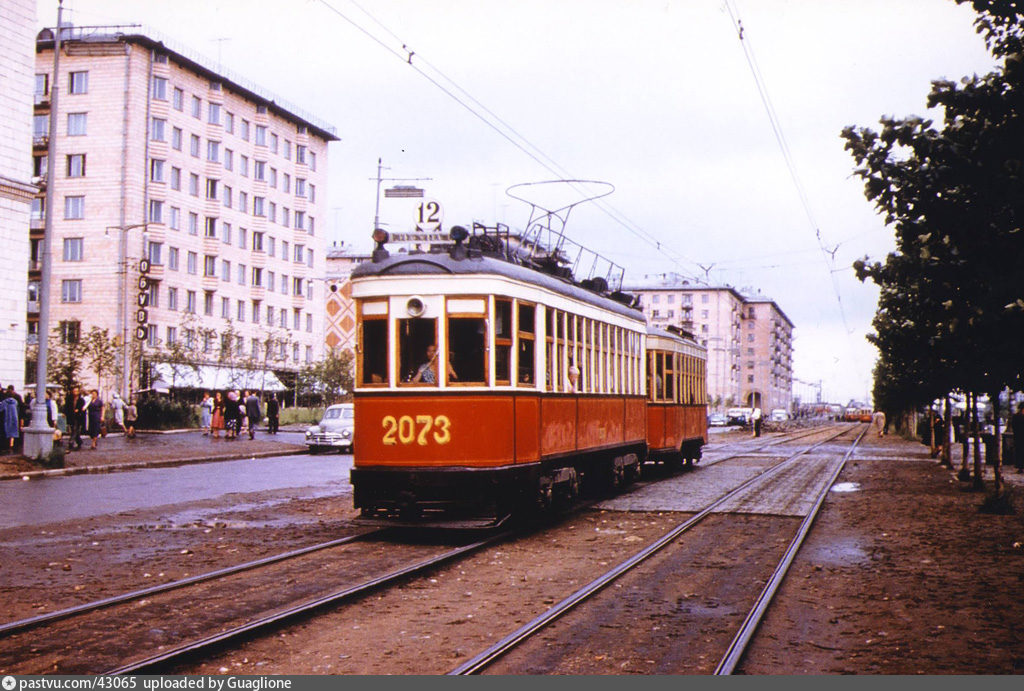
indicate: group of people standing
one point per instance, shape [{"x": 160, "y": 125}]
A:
[
  {"x": 84, "y": 413},
  {"x": 13, "y": 418},
  {"x": 232, "y": 412}
]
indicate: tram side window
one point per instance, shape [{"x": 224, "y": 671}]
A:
[
  {"x": 375, "y": 351},
  {"x": 671, "y": 393},
  {"x": 502, "y": 341},
  {"x": 466, "y": 349},
  {"x": 527, "y": 329},
  {"x": 415, "y": 336}
]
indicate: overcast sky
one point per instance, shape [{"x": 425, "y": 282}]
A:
[{"x": 655, "y": 97}]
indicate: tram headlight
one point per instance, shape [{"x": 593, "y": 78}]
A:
[
  {"x": 380, "y": 236},
  {"x": 415, "y": 307}
]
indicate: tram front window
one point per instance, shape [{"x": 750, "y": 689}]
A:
[
  {"x": 374, "y": 351},
  {"x": 415, "y": 338},
  {"x": 466, "y": 339}
]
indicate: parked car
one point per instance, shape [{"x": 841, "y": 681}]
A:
[
  {"x": 334, "y": 431},
  {"x": 738, "y": 416},
  {"x": 779, "y": 415},
  {"x": 717, "y": 420}
]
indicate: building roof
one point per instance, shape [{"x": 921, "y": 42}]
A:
[{"x": 187, "y": 57}]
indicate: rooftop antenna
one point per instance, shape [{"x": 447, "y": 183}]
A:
[{"x": 220, "y": 46}]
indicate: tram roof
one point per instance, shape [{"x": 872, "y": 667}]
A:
[
  {"x": 442, "y": 263},
  {"x": 681, "y": 339}
]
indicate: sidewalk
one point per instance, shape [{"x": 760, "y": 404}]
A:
[{"x": 150, "y": 449}]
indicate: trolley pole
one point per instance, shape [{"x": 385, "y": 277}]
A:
[{"x": 38, "y": 441}]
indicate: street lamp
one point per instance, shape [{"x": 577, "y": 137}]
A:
[{"x": 38, "y": 436}]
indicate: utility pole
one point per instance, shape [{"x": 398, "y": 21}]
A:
[{"x": 39, "y": 435}]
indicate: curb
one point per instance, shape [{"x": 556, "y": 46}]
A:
[{"x": 137, "y": 465}]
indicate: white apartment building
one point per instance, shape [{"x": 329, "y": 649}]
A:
[
  {"x": 17, "y": 67},
  {"x": 190, "y": 206},
  {"x": 748, "y": 338}
]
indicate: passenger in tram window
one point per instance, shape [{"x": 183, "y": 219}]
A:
[
  {"x": 427, "y": 372},
  {"x": 574, "y": 378}
]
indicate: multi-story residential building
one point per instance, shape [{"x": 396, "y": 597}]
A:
[
  {"x": 749, "y": 338},
  {"x": 17, "y": 67},
  {"x": 340, "y": 317},
  {"x": 190, "y": 205}
]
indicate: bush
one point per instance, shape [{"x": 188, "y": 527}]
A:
[
  {"x": 304, "y": 416},
  {"x": 158, "y": 412}
]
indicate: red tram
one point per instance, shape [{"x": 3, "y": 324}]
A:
[{"x": 487, "y": 388}]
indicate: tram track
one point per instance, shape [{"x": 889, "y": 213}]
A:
[
  {"x": 486, "y": 658},
  {"x": 208, "y": 610}
]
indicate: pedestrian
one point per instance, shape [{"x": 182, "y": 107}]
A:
[
  {"x": 81, "y": 402},
  {"x": 11, "y": 420},
  {"x": 1017, "y": 425},
  {"x": 217, "y": 415},
  {"x": 131, "y": 414},
  {"x": 94, "y": 410},
  {"x": 71, "y": 419},
  {"x": 118, "y": 405},
  {"x": 252, "y": 412},
  {"x": 206, "y": 412},
  {"x": 51, "y": 410},
  {"x": 878, "y": 420},
  {"x": 755, "y": 418},
  {"x": 273, "y": 414},
  {"x": 231, "y": 415}
]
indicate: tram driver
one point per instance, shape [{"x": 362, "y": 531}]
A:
[{"x": 427, "y": 372}]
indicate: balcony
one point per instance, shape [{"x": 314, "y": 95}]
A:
[
  {"x": 40, "y": 141},
  {"x": 37, "y": 224},
  {"x": 41, "y": 100},
  {"x": 33, "y": 307}
]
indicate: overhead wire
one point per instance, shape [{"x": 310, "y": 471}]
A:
[
  {"x": 505, "y": 130},
  {"x": 780, "y": 138}
]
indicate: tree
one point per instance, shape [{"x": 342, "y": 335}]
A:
[
  {"x": 100, "y": 351},
  {"x": 951, "y": 310},
  {"x": 64, "y": 359},
  {"x": 333, "y": 377}
]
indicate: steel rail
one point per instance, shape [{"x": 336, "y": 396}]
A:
[
  {"x": 186, "y": 650},
  {"x": 31, "y": 622},
  {"x": 482, "y": 660},
  {"x": 739, "y": 643}
]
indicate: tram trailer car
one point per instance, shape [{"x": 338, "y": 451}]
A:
[
  {"x": 677, "y": 420},
  {"x": 486, "y": 388}
]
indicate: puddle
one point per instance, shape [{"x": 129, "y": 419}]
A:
[{"x": 846, "y": 487}]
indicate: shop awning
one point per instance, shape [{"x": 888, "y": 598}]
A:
[{"x": 213, "y": 377}]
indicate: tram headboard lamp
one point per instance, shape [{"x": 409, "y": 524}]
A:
[
  {"x": 415, "y": 307},
  {"x": 380, "y": 236},
  {"x": 458, "y": 234}
]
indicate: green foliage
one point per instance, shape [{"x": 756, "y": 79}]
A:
[
  {"x": 64, "y": 361},
  {"x": 951, "y": 305},
  {"x": 333, "y": 377},
  {"x": 302, "y": 416},
  {"x": 159, "y": 412}
]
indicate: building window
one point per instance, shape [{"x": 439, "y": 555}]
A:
[
  {"x": 257, "y": 241},
  {"x": 211, "y": 227},
  {"x": 273, "y": 143},
  {"x": 240, "y": 312},
  {"x": 209, "y": 265},
  {"x": 193, "y": 184},
  {"x": 225, "y": 308},
  {"x": 70, "y": 332},
  {"x": 156, "y": 170},
  {"x": 75, "y": 165},
  {"x": 211, "y": 188},
  {"x": 257, "y": 276},
  {"x": 172, "y": 258},
  {"x": 172, "y": 335},
  {"x": 312, "y": 160},
  {"x": 197, "y": 107},
  {"x": 243, "y": 238},
  {"x": 71, "y": 290},
  {"x": 300, "y": 187},
  {"x": 243, "y": 130},
  {"x": 225, "y": 271},
  {"x": 309, "y": 322},
  {"x": 261, "y": 135},
  {"x": 78, "y": 82},
  {"x": 157, "y": 129},
  {"x": 73, "y": 249},
  {"x": 243, "y": 166},
  {"x": 175, "y": 220},
  {"x": 241, "y": 275},
  {"x": 190, "y": 302},
  {"x": 179, "y": 99},
  {"x": 42, "y": 84},
  {"x": 213, "y": 151},
  {"x": 74, "y": 207},
  {"x": 225, "y": 234},
  {"x": 300, "y": 253},
  {"x": 257, "y": 206},
  {"x": 229, "y": 122},
  {"x": 176, "y": 136},
  {"x": 156, "y": 211},
  {"x": 227, "y": 196},
  {"x": 154, "y": 295},
  {"x": 208, "y": 303},
  {"x": 77, "y": 123},
  {"x": 255, "y": 317},
  {"x": 172, "y": 299},
  {"x": 213, "y": 113},
  {"x": 159, "y": 88},
  {"x": 259, "y": 170},
  {"x": 192, "y": 263},
  {"x": 193, "y": 147},
  {"x": 300, "y": 153}
]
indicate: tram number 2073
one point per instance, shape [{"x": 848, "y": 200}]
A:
[{"x": 421, "y": 429}]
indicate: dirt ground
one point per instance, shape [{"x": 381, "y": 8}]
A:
[{"x": 902, "y": 575}]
